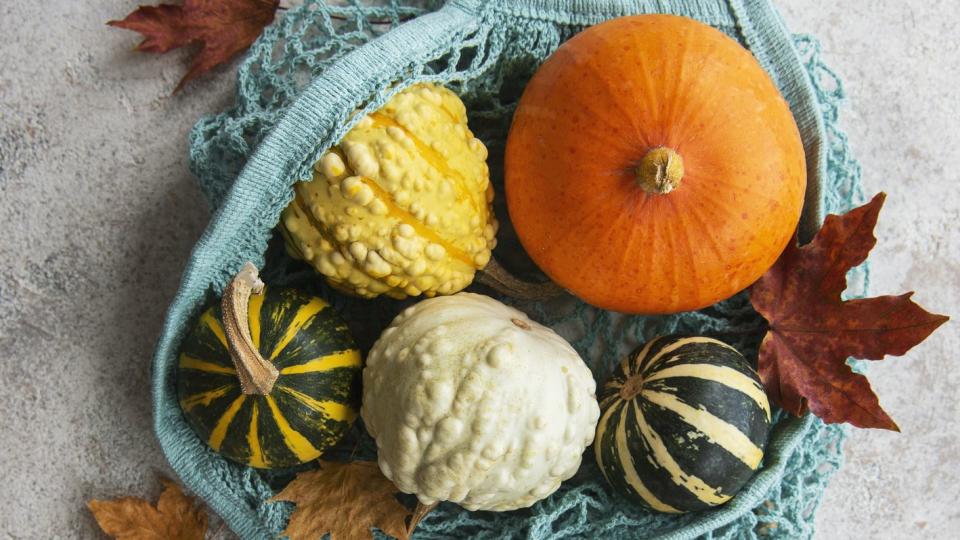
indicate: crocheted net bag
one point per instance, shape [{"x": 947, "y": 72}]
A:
[{"x": 296, "y": 95}]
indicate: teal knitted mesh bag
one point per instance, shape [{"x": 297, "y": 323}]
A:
[{"x": 296, "y": 93}]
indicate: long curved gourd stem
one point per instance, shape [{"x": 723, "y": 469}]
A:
[
  {"x": 501, "y": 280},
  {"x": 257, "y": 374}
]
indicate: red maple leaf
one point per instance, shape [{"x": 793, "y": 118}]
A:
[
  {"x": 812, "y": 332},
  {"x": 223, "y": 28}
]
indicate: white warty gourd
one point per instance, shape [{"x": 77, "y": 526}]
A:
[{"x": 472, "y": 402}]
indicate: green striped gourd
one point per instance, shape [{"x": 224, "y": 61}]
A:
[
  {"x": 683, "y": 424},
  {"x": 269, "y": 380}
]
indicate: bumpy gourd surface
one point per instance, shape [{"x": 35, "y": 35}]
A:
[
  {"x": 402, "y": 205},
  {"x": 472, "y": 402}
]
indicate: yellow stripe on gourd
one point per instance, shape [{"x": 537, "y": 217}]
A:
[
  {"x": 325, "y": 363},
  {"x": 331, "y": 409},
  {"x": 253, "y": 441},
  {"x": 609, "y": 401},
  {"x": 700, "y": 489},
  {"x": 719, "y": 374},
  {"x": 626, "y": 365},
  {"x": 302, "y": 317},
  {"x": 189, "y": 362},
  {"x": 223, "y": 424},
  {"x": 630, "y": 471},
  {"x": 393, "y": 209},
  {"x": 601, "y": 431},
  {"x": 253, "y": 317},
  {"x": 297, "y": 443},
  {"x": 204, "y": 398},
  {"x": 680, "y": 343},
  {"x": 436, "y": 160},
  {"x": 719, "y": 432},
  {"x": 214, "y": 325}
]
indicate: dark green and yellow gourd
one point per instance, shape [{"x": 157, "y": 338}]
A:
[
  {"x": 313, "y": 400},
  {"x": 683, "y": 424}
]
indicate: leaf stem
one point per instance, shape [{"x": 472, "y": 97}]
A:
[{"x": 734, "y": 333}]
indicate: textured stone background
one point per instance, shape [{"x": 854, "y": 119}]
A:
[{"x": 99, "y": 212}]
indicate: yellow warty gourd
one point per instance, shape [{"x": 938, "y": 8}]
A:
[{"x": 402, "y": 205}]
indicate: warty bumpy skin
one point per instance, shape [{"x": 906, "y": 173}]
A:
[
  {"x": 472, "y": 402},
  {"x": 402, "y": 206}
]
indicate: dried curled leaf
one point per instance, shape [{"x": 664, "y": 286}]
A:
[
  {"x": 176, "y": 517},
  {"x": 346, "y": 500},
  {"x": 223, "y": 28},
  {"x": 812, "y": 332}
]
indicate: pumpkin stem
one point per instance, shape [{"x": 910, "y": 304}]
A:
[
  {"x": 257, "y": 374},
  {"x": 501, "y": 280},
  {"x": 631, "y": 387},
  {"x": 660, "y": 171}
]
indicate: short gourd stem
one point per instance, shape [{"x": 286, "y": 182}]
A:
[
  {"x": 660, "y": 171},
  {"x": 498, "y": 278},
  {"x": 631, "y": 387},
  {"x": 257, "y": 375},
  {"x": 419, "y": 512}
]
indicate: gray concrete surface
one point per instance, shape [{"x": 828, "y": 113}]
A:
[{"x": 99, "y": 212}]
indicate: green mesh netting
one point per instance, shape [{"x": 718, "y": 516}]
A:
[{"x": 296, "y": 91}]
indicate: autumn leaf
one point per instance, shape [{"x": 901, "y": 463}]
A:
[
  {"x": 346, "y": 500},
  {"x": 222, "y": 28},
  {"x": 176, "y": 517},
  {"x": 812, "y": 331}
]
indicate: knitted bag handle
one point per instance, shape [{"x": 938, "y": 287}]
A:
[
  {"x": 326, "y": 104},
  {"x": 282, "y": 158},
  {"x": 770, "y": 42},
  {"x": 322, "y": 112}
]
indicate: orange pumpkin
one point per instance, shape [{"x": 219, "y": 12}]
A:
[{"x": 653, "y": 167}]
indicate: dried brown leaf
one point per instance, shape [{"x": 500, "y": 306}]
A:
[
  {"x": 346, "y": 500},
  {"x": 176, "y": 516},
  {"x": 222, "y": 28},
  {"x": 803, "y": 357}
]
